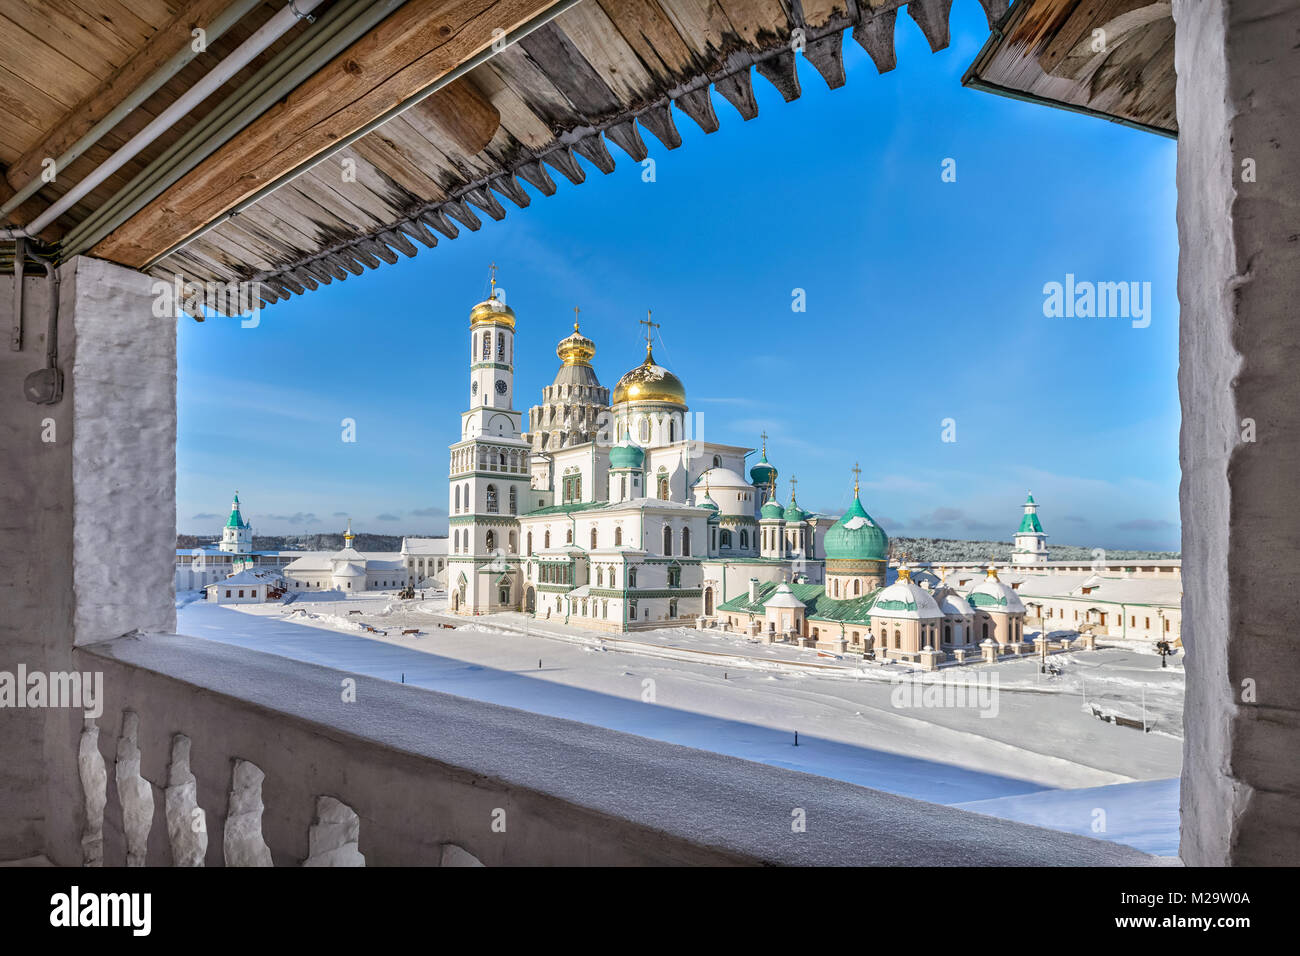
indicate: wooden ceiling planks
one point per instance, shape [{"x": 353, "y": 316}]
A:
[
  {"x": 70, "y": 125},
  {"x": 1044, "y": 53},
  {"x": 653, "y": 39},
  {"x": 598, "y": 71}
]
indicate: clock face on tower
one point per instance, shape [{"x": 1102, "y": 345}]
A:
[{"x": 501, "y": 386}]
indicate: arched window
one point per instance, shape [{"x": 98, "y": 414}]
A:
[
  {"x": 898, "y": 640},
  {"x": 528, "y": 543},
  {"x": 568, "y": 536},
  {"x": 618, "y": 536},
  {"x": 725, "y": 539},
  {"x": 686, "y": 542},
  {"x": 457, "y": 509},
  {"x": 744, "y": 539},
  {"x": 600, "y": 577},
  {"x": 643, "y": 430},
  {"x": 947, "y": 633},
  {"x": 631, "y": 583},
  {"x": 501, "y": 346},
  {"x": 672, "y": 437},
  {"x": 492, "y": 506},
  {"x": 512, "y": 542},
  {"x": 491, "y": 540},
  {"x": 514, "y": 500},
  {"x": 487, "y": 345},
  {"x": 593, "y": 536},
  {"x": 546, "y": 542},
  {"x": 672, "y": 608},
  {"x": 836, "y": 586},
  {"x": 717, "y": 461},
  {"x": 857, "y": 587},
  {"x": 668, "y": 540},
  {"x": 663, "y": 487}
]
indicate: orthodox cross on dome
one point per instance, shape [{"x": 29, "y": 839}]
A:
[
  {"x": 649, "y": 326},
  {"x": 793, "y": 481},
  {"x": 493, "y": 269},
  {"x": 764, "y": 437},
  {"x": 576, "y": 310},
  {"x": 857, "y": 473}
]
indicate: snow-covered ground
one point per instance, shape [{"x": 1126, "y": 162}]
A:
[{"x": 1030, "y": 749}]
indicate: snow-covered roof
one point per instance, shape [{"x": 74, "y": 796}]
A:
[
  {"x": 783, "y": 597},
  {"x": 953, "y": 603},
  {"x": 424, "y": 546},
  {"x": 1116, "y": 590},
  {"x": 997, "y": 596},
  {"x": 250, "y": 577},
  {"x": 906, "y": 599},
  {"x": 719, "y": 477}
]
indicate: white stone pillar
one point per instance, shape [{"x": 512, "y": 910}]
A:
[
  {"x": 1238, "y": 97},
  {"x": 87, "y": 544}
]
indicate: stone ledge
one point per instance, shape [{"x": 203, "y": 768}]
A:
[{"x": 625, "y": 799}]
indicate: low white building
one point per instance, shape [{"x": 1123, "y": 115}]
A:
[
  {"x": 252, "y": 586},
  {"x": 426, "y": 561},
  {"x": 347, "y": 569}
]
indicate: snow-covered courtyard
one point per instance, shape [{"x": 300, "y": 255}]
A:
[{"x": 1014, "y": 743}]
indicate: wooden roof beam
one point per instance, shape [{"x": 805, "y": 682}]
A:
[
  {"x": 413, "y": 47},
  {"x": 876, "y": 36}
]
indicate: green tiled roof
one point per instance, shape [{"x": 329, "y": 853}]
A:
[
  {"x": 1030, "y": 524},
  {"x": 570, "y": 508},
  {"x": 819, "y": 606},
  {"x": 980, "y": 599}
]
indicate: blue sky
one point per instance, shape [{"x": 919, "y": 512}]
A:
[{"x": 924, "y": 302}]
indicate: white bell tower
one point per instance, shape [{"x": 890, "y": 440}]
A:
[
  {"x": 1030, "y": 541},
  {"x": 237, "y": 535},
  {"x": 490, "y": 473}
]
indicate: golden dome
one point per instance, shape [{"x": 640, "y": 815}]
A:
[
  {"x": 576, "y": 349},
  {"x": 649, "y": 382},
  {"x": 491, "y": 312}
]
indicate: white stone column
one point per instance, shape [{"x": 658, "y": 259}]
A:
[
  {"x": 88, "y": 538},
  {"x": 1238, "y": 285}
]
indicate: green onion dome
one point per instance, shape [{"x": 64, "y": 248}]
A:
[
  {"x": 856, "y": 537},
  {"x": 626, "y": 456}
]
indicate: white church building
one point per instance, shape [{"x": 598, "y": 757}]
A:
[{"x": 607, "y": 515}]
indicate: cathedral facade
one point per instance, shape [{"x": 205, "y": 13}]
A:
[{"x": 606, "y": 512}]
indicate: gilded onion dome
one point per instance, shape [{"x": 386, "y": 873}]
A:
[
  {"x": 576, "y": 349},
  {"x": 492, "y": 310},
  {"x": 649, "y": 382}
]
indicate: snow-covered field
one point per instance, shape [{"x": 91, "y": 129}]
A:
[{"x": 1028, "y": 749}]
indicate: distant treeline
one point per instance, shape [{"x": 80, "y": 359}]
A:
[
  {"x": 916, "y": 549},
  {"x": 946, "y": 549},
  {"x": 304, "y": 542}
]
